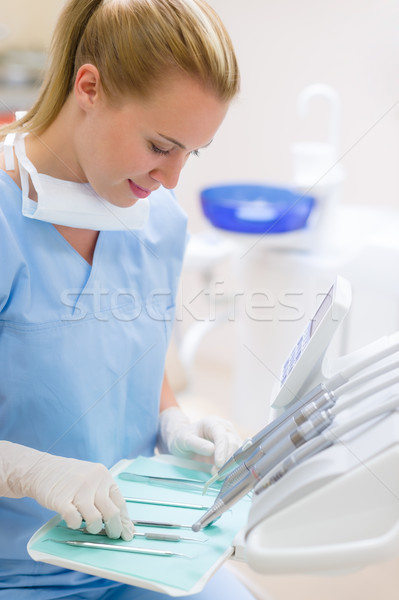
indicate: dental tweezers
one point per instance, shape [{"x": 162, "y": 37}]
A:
[{"x": 119, "y": 548}]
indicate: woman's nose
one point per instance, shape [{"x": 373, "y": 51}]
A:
[{"x": 168, "y": 172}]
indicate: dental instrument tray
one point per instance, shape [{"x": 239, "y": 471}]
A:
[
  {"x": 259, "y": 209},
  {"x": 166, "y": 555}
]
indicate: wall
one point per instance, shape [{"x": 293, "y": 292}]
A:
[
  {"x": 282, "y": 46},
  {"x": 29, "y": 24}
]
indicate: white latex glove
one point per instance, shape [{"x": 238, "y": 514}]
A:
[
  {"x": 210, "y": 436},
  {"x": 76, "y": 489}
]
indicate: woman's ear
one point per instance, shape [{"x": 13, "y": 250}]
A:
[{"x": 87, "y": 86}]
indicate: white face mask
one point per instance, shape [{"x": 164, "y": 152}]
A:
[{"x": 67, "y": 202}]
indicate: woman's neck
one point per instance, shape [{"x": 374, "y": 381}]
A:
[{"x": 53, "y": 151}]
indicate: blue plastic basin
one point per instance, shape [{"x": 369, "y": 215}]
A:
[{"x": 256, "y": 208}]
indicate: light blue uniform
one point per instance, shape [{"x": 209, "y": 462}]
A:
[{"x": 82, "y": 351}]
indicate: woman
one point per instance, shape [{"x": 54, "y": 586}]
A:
[{"x": 92, "y": 242}]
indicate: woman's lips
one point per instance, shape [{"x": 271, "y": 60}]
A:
[{"x": 138, "y": 191}]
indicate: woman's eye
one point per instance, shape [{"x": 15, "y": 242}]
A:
[{"x": 157, "y": 150}]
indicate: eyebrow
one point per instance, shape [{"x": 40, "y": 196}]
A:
[{"x": 179, "y": 144}]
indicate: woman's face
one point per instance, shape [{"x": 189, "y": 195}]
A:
[{"x": 129, "y": 151}]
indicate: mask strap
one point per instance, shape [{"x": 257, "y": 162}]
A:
[
  {"x": 9, "y": 152},
  {"x": 24, "y": 177},
  {"x": 20, "y": 152},
  {"x": 9, "y": 144},
  {"x": 27, "y": 171}
]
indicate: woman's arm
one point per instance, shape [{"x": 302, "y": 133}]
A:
[
  {"x": 209, "y": 439},
  {"x": 167, "y": 396}
]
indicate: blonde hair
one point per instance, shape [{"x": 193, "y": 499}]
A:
[{"x": 135, "y": 45}]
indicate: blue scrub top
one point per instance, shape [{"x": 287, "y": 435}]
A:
[{"x": 82, "y": 348}]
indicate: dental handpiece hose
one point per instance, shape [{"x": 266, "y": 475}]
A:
[
  {"x": 325, "y": 440},
  {"x": 263, "y": 464},
  {"x": 366, "y": 393}
]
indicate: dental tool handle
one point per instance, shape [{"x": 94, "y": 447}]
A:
[
  {"x": 268, "y": 443},
  {"x": 166, "y": 503},
  {"x": 162, "y": 537},
  {"x": 311, "y": 448},
  {"x": 254, "y": 474},
  {"x": 266, "y": 461},
  {"x": 295, "y": 411},
  {"x": 286, "y": 428},
  {"x": 274, "y": 455},
  {"x": 316, "y": 422},
  {"x": 116, "y": 548},
  {"x": 160, "y": 524},
  {"x": 225, "y": 501},
  {"x": 321, "y": 395}
]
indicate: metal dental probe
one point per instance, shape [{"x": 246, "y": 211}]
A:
[
  {"x": 180, "y": 483},
  {"x": 167, "y": 503},
  {"x": 160, "y": 524},
  {"x": 102, "y": 546},
  {"x": 160, "y": 537}
]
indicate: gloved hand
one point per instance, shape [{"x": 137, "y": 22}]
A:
[
  {"x": 75, "y": 488},
  {"x": 210, "y": 436}
]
